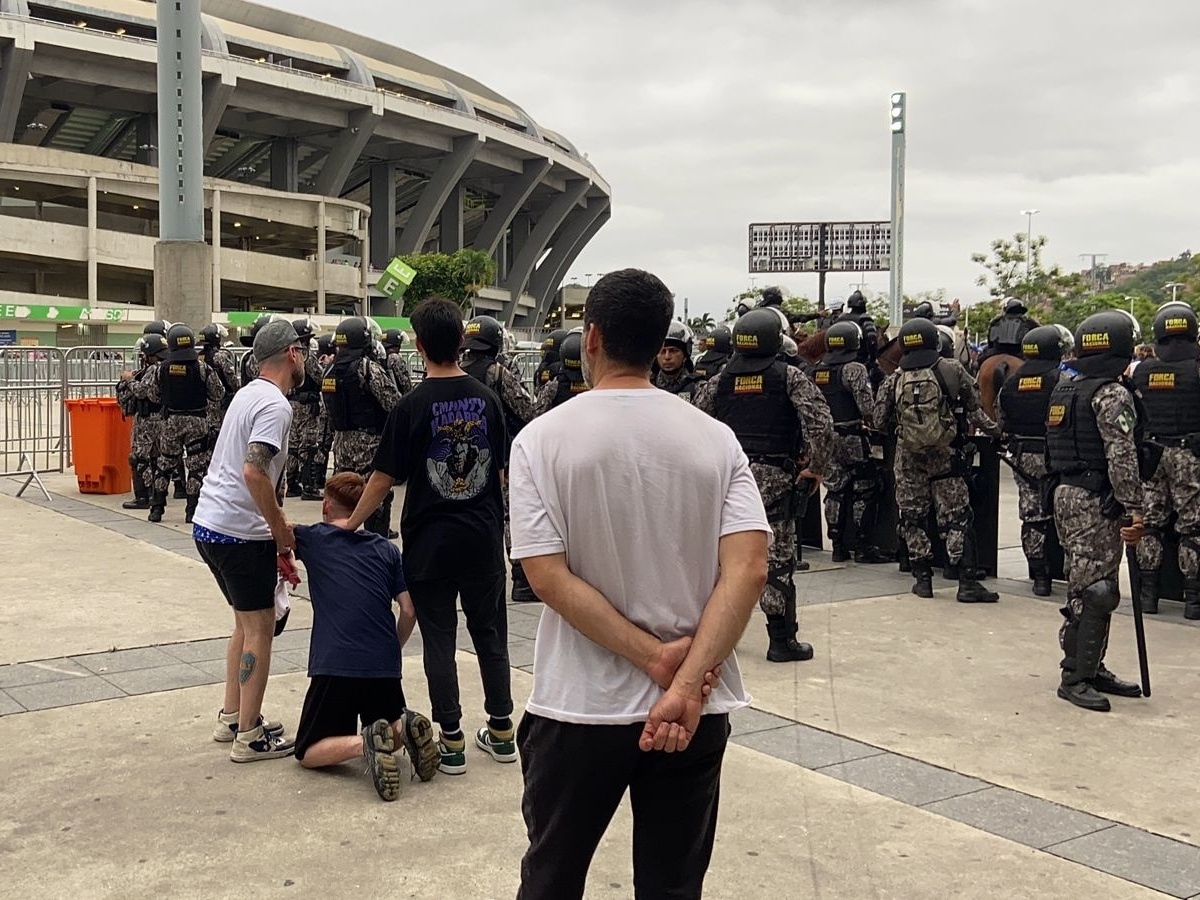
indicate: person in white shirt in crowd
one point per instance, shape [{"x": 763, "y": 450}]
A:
[
  {"x": 240, "y": 531},
  {"x": 641, "y": 608}
]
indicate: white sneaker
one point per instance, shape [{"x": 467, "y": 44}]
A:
[
  {"x": 227, "y": 726},
  {"x": 256, "y": 744}
]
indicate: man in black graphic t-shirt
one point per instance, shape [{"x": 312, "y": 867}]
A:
[{"x": 448, "y": 440}]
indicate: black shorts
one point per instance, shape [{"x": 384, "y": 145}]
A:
[
  {"x": 245, "y": 573},
  {"x": 334, "y": 706}
]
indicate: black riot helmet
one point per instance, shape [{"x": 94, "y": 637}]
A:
[
  {"x": 920, "y": 340},
  {"x": 857, "y": 302},
  {"x": 1013, "y": 306},
  {"x": 158, "y": 326},
  {"x": 483, "y": 334},
  {"x": 721, "y": 340},
  {"x": 1175, "y": 321},
  {"x": 679, "y": 335},
  {"x": 352, "y": 334},
  {"x": 394, "y": 339},
  {"x": 248, "y": 339},
  {"x": 305, "y": 328},
  {"x": 213, "y": 335},
  {"x": 771, "y": 296},
  {"x": 945, "y": 341},
  {"x": 571, "y": 354},
  {"x": 553, "y": 343},
  {"x": 1104, "y": 344},
  {"x": 1051, "y": 342},
  {"x": 325, "y": 345},
  {"x": 842, "y": 341},
  {"x": 180, "y": 337},
  {"x": 757, "y": 334},
  {"x": 154, "y": 345},
  {"x": 924, "y": 310}
]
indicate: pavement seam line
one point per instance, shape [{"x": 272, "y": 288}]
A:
[{"x": 1049, "y": 848}]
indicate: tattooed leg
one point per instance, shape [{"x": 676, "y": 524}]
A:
[{"x": 254, "y": 664}]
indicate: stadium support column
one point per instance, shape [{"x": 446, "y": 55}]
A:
[
  {"x": 576, "y": 231},
  {"x": 182, "y": 259},
  {"x": 441, "y": 182},
  {"x": 15, "y": 57},
  {"x": 547, "y": 224},
  {"x": 450, "y": 223},
  {"x": 383, "y": 214}
]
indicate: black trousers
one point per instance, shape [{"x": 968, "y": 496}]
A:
[
  {"x": 575, "y": 777},
  {"x": 483, "y": 607}
]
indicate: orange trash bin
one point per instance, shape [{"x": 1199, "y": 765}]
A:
[{"x": 100, "y": 442}]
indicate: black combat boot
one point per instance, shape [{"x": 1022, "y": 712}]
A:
[
  {"x": 308, "y": 481},
  {"x": 521, "y": 591},
  {"x": 190, "y": 509},
  {"x": 1191, "y": 598},
  {"x": 840, "y": 553},
  {"x": 294, "y": 488},
  {"x": 1149, "y": 591},
  {"x": 783, "y": 647},
  {"x": 1040, "y": 572},
  {"x": 872, "y": 556},
  {"x": 923, "y": 574},
  {"x": 971, "y": 591},
  {"x": 1083, "y": 646},
  {"x": 905, "y": 566},
  {"x": 141, "y": 495},
  {"x": 1107, "y": 683},
  {"x": 180, "y": 489},
  {"x": 158, "y": 505}
]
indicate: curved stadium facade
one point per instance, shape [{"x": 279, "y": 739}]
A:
[{"x": 326, "y": 154}]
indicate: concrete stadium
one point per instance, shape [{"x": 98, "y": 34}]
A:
[{"x": 324, "y": 149}]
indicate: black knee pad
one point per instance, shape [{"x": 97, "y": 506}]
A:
[{"x": 1101, "y": 597}]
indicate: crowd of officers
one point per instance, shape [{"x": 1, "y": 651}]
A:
[{"x": 1103, "y": 452}]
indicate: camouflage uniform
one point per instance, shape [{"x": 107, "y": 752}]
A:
[
  {"x": 1174, "y": 488},
  {"x": 307, "y": 431},
  {"x": 851, "y": 453},
  {"x": 544, "y": 401},
  {"x": 1091, "y": 540},
  {"x": 777, "y": 484},
  {"x": 354, "y": 451},
  {"x": 934, "y": 479},
  {"x": 398, "y": 369},
  {"x": 225, "y": 367},
  {"x": 681, "y": 383},
  {"x": 147, "y": 428}
]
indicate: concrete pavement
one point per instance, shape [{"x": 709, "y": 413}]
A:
[{"x": 921, "y": 753}]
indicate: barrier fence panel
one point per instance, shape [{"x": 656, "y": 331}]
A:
[
  {"x": 31, "y": 429},
  {"x": 527, "y": 362},
  {"x": 92, "y": 372}
]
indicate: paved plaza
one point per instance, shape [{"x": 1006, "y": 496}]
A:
[{"x": 922, "y": 753}]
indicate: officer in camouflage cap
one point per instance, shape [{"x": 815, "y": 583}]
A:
[
  {"x": 1092, "y": 435},
  {"x": 783, "y": 424}
]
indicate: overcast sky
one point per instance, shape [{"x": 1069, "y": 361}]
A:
[{"x": 706, "y": 116}]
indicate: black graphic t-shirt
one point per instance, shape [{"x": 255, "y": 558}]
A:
[{"x": 447, "y": 440}]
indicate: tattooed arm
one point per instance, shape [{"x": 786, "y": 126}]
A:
[{"x": 256, "y": 471}]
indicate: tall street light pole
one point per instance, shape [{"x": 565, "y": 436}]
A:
[
  {"x": 1174, "y": 286},
  {"x": 1029, "y": 214},
  {"x": 896, "y": 264}
]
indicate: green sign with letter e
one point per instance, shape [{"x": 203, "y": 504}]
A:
[{"x": 396, "y": 278}]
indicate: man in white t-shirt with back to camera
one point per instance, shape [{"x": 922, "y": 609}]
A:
[
  {"x": 638, "y": 608},
  {"x": 240, "y": 532}
]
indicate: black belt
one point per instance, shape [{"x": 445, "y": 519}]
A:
[
  {"x": 1093, "y": 480},
  {"x": 854, "y": 427},
  {"x": 1180, "y": 442},
  {"x": 1028, "y": 444}
]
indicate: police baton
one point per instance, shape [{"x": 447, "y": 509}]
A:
[{"x": 1139, "y": 623}]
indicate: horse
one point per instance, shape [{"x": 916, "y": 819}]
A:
[
  {"x": 993, "y": 372},
  {"x": 812, "y": 346}
]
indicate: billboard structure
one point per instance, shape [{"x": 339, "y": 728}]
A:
[{"x": 820, "y": 247}]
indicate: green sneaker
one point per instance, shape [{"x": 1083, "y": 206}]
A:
[
  {"x": 416, "y": 732},
  {"x": 499, "y": 745},
  {"x": 453, "y": 755}
]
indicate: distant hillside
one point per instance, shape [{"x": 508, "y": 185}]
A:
[{"x": 1150, "y": 281}]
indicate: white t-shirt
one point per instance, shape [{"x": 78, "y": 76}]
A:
[
  {"x": 636, "y": 487},
  {"x": 259, "y": 413}
]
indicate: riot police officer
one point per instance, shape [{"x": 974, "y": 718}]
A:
[
  {"x": 1169, "y": 385},
  {"x": 249, "y": 363},
  {"x": 358, "y": 395},
  {"x": 674, "y": 363},
  {"x": 1007, "y": 331},
  {"x": 483, "y": 339},
  {"x": 307, "y": 427},
  {"x": 393, "y": 341},
  {"x": 784, "y": 426},
  {"x": 1021, "y": 408},
  {"x": 1092, "y": 435},
  {"x": 190, "y": 393},
  {"x": 919, "y": 401},
  {"x": 717, "y": 347},
  {"x": 151, "y": 347},
  {"x": 158, "y": 326},
  {"x": 569, "y": 382},
  {"x": 856, "y": 312},
  {"x": 549, "y": 367},
  {"x": 220, "y": 360},
  {"x": 925, "y": 310},
  {"x": 852, "y": 481}
]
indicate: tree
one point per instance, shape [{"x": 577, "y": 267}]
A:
[
  {"x": 1041, "y": 289},
  {"x": 701, "y": 325},
  {"x": 456, "y": 277}
]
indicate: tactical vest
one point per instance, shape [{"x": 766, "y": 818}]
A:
[
  {"x": 351, "y": 406},
  {"x": 1170, "y": 396},
  {"x": 310, "y": 386},
  {"x": 1074, "y": 446},
  {"x": 710, "y": 364},
  {"x": 182, "y": 387},
  {"x": 546, "y": 371},
  {"x": 841, "y": 402},
  {"x": 1025, "y": 398},
  {"x": 566, "y": 390},
  {"x": 1008, "y": 330},
  {"x": 757, "y": 407},
  {"x": 478, "y": 368},
  {"x": 248, "y": 373}
]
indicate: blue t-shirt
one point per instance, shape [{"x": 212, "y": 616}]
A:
[{"x": 353, "y": 576}]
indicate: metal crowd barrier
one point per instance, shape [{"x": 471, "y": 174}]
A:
[{"x": 32, "y": 427}]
